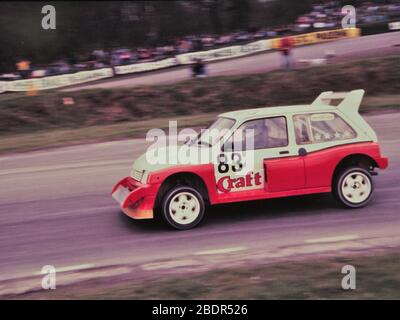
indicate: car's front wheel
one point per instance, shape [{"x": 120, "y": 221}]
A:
[
  {"x": 353, "y": 187},
  {"x": 183, "y": 207}
]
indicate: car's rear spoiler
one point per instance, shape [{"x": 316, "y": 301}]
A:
[{"x": 346, "y": 102}]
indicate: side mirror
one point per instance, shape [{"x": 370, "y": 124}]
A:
[{"x": 302, "y": 152}]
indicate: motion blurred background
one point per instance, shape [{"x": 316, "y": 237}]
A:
[
  {"x": 112, "y": 70},
  {"x": 93, "y": 35}
]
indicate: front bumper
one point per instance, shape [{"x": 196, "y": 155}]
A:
[{"x": 136, "y": 199}]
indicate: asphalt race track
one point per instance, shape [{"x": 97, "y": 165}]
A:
[
  {"x": 56, "y": 208},
  {"x": 363, "y": 47}
]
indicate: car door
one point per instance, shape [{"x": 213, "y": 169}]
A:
[
  {"x": 262, "y": 160},
  {"x": 283, "y": 164},
  {"x": 240, "y": 163}
]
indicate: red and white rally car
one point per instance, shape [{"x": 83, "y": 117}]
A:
[{"x": 323, "y": 147}]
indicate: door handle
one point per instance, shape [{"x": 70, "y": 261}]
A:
[
  {"x": 265, "y": 172},
  {"x": 284, "y": 152}
]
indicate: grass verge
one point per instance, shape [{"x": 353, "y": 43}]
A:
[
  {"x": 67, "y": 137},
  {"x": 133, "y": 129},
  {"x": 28, "y": 123},
  {"x": 377, "y": 277}
]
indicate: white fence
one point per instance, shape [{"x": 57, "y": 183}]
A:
[
  {"x": 146, "y": 66},
  {"x": 52, "y": 82},
  {"x": 225, "y": 53},
  {"x": 55, "y": 81}
]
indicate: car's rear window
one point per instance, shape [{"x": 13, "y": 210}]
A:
[{"x": 321, "y": 127}]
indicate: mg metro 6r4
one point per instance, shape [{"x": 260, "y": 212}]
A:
[{"x": 318, "y": 148}]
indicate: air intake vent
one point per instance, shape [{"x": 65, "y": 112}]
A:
[{"x": 137, "y": 175}]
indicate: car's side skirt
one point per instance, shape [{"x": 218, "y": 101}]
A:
[{"x": 261, "y": 194}]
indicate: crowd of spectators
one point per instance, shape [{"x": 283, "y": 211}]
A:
[
  {"x": 324, "y": 16},
  {"x": 329, "y": 15}
]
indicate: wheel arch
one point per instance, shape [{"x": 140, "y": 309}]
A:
[
  {"x": 184, "y": 178},
  {"x": 356, "y": 159}
]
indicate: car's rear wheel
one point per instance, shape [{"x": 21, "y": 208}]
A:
[
  {"x": 353, "y": 187},
  {"x": 183, "y": 207}
]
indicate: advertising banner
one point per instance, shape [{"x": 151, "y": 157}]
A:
[
  {"x": 394, "y": 25},
  {"x": 56, "y": 81},
  {"x": 146, "y": 66},
  {"x": 225, "y": 53},
  {"x": 2, "y": 86},
  {"x": 321, "y": 36}
]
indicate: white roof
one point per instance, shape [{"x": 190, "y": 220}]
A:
[
  {"x": 273, "y": 111},
  {"x": 345, "y": 102}
]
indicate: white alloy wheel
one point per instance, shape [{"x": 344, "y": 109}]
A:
[
  {"x": 184, "y": 208},
  {"x": 353, "y": 187},
  {"x": 356, "y": 187}
]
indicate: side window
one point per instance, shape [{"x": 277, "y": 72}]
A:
[
  {"x": 321, "y": 127},
  {"x": 259, "y": 134},
  {"x": 277, "y": 135}
]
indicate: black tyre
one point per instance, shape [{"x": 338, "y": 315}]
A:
[
  {"x": 182, "y": 207},
  {"x": 353, "y": 187}
]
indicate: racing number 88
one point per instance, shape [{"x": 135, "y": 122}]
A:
[{"x": 223, "y": 166}]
